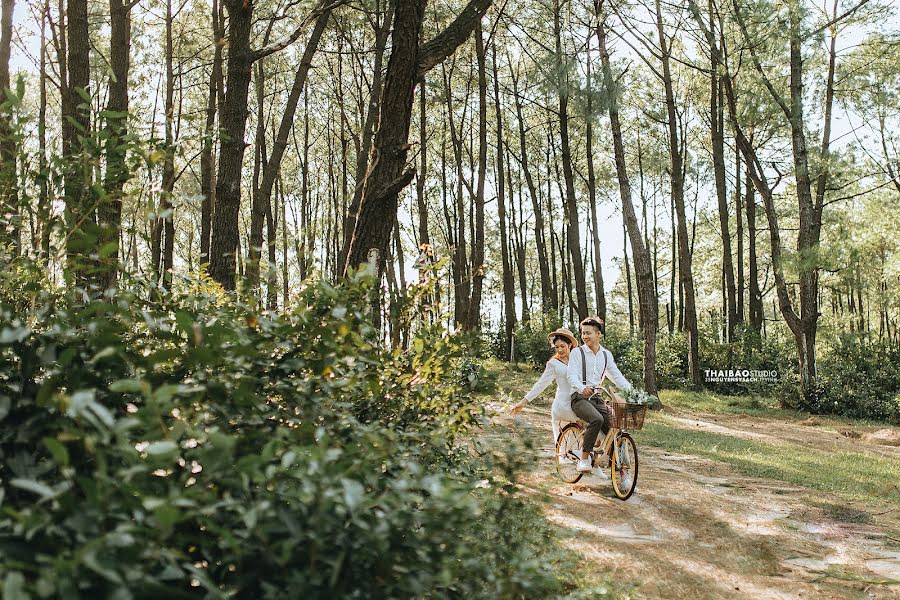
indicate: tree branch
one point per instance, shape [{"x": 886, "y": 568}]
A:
[
  {"x": 836, "y": 20},
  {"x": 325, "y": 6},
  {"x": 434, "y": 51},
  {"x": 772, "y": 91},
  {"x": 398, "y": 184}
]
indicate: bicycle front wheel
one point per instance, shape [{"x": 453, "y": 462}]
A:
[
  {"x": 568, "y": 451},
  {"x": 624, "y": 466}
]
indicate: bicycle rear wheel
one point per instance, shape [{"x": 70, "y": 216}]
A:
[
  {"x": 568, "y": 451},
  {"x": 624, "y": 466}
]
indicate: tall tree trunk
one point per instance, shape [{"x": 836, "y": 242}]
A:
[
  {"x": 117, "y": 171},
  {"x": 677, "y": 182},
  {"x": 285, "y": 279},
  {"x": 718, "y": 152},
  {"x": 599, "y": 289},
  {"x": 422, "y": 206},
  {"x": 755, "y": 303},
  {"x": 233, "y": 120},
  {"x": 548, "y": 298},
  {"x": 474, "y": 311},
  {"x": 80, "y": 218},
  {"x": 164, "y": 229},
  {"x": 627, "y": 268},
  {"x": 271, "y": 228},
  {"x": 509, "y": 304},
  {"x": 386, "y": 175},
  {"x": 519, "y": 232},
  {"x": 646, "y": 295},
  {"x": 207, "y": 163},
  {"x": 10, "y": 221},
  {"x": 44, "y": 209},
  {"x": 573, "y": 236},
  {"x": 739, "y": 217},
  {"x": 643, "y": 196},
  {"x": 599, "y": 292},
  {"x": 673, "y": 242},
  {"x": 305, "y": 230}
]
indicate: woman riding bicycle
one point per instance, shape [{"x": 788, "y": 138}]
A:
[
  {"x": 589, "y": 364},
  {"x": 562, "y": 340}
]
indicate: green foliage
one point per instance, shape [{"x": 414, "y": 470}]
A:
[
  {"x": 468, "y": 363},
  {"x": 531, "y": 345},
  {"x": 671, "y": 356},
  {"x": 860, "y": 380},
  {"x": 197, "y": 448},
  {"x": 627, "y": 351},
  {"x": 750, "y": 351}
]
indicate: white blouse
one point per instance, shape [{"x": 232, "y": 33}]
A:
[{"x": 556, "y": 370}]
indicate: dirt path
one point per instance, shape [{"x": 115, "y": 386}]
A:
[{"x": 697, "y": 529}]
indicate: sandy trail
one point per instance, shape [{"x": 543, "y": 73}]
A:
[{"x": 697, "y": 529}]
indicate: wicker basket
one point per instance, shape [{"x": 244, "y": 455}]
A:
[{"x": 628, "y": 416}]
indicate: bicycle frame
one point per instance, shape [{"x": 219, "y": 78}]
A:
[
  {"x": 605, "y": 447},
  {"x": 609, "y": 438}
]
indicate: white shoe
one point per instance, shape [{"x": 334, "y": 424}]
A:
[
  {"x": 584, "y": 466},
  {"x": 599, "y": 472},
  {"x": 626, "y": 482}
]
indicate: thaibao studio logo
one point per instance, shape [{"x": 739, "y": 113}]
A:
[{"x": 740, "y": 376}]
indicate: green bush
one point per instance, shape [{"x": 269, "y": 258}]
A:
[
  {"x": 531, "y": 345},
  {"x": 859, "y": 380},
  {"x": 751, "y": 351},
  {"x": 671, "y": 360},
  {"x": 469, "y": 370},
  {"x": 197, "y": 448},
  {"x": 627, "y": 350}
]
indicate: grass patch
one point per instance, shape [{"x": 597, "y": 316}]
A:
[
  {"x": 706, "y": 401},
  {"x": 845, "y": 514},
  {"x": 512, "y": 383},
  {"x": 835, "y": 572},
  {"x": 753, "y": 405},
  {"x": 851, "y": 475}
]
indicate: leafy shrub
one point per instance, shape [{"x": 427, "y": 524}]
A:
[
  {"x": 531, "y": 345},
  {"x": 860, "y": 380},
  {"x": 627, "y": 351},
  {"x": 751, "y": 351},
  {"x": 671, "y": 360},
  {"x": 197, "y": 448},
  {"x": 469, "y": 366}
]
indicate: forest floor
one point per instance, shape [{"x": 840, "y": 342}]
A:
[{"x": 736, "y": 499}]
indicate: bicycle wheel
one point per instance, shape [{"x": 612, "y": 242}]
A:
[
  {"x": 624, "y": 466},
  {"x": 568, "y": 451}
]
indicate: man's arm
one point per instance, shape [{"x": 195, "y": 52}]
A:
[{"x": 613, "y": 372}]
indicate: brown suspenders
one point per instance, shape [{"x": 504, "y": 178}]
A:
[{"x": 584, "y": 367}]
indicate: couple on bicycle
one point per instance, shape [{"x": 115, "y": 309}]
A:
[{"x": 578, "y": 370}]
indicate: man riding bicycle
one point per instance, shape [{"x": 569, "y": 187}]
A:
[{"x": 589, "y": 364}]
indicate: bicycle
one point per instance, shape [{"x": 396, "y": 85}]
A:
[{"x": 617, "y": 446}]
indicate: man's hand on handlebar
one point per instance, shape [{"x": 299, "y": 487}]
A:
[{"x": 590, "y": 391}]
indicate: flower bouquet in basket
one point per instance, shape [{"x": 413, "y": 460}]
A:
[{"x": 636, "y": 396}]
